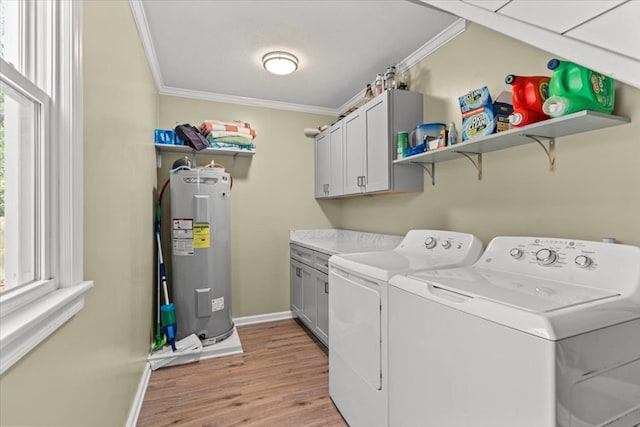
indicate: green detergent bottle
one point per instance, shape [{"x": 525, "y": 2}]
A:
[{"x": 575, "y": 88}]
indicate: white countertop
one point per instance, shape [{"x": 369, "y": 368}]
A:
[{"x": 337, "y": 241}]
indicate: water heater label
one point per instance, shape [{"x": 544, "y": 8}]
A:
[
  {"x": 182, "y": 223},
  {"x": 217, "y": 304},
  {"x": 201, "y": 236},
  {"x": 182, "y": 234}
]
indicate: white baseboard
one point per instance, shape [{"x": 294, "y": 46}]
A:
[
  {"x": 262, "y": 318},
  {"x": 132, "y": 420}
]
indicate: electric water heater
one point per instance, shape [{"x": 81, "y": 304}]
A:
[{"x": 201, "y": 253}]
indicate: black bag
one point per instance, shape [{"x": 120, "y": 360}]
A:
[{"x": 192, "y": 136}]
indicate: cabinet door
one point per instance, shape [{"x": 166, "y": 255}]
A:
[
  {"x": 354, "y": 152},
  {"x": 323, "y": 165},
  {"x": 308, "y": 296},
  {"x": 322, "y": 301},
  {"x": 336, "y": 179},
  {"x": 378, "y": 146},
  {"x": 295, "y": 277}
]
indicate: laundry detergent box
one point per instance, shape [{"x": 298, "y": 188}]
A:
[
  {"x": 478, "y": 118},
  {"x": 475, "y": 99}
]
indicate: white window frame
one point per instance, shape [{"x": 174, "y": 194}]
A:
[{"x": 31, "y": 313}]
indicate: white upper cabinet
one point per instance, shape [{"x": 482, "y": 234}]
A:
[
  {"x": 601, "y": 35},
  {"x": 336, "y": 179},
  {"x": 323, "y": 164},
  {"x": 370, "y": 146}
]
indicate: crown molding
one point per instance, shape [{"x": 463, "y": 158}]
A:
[
  {"x": 442, "y": 38},
  {"x": 147, "y": 43},
  {"x": 255, "y": 102}
]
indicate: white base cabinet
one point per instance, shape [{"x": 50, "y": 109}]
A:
[{"x": 310, "y": 289}]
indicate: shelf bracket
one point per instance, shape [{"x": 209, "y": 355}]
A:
[
  {"x": 551, "y": 152},
  {"x": 235, "y": 162},
  {"x": 477, "y": 165},
  {"x": 432, "y": 172}
]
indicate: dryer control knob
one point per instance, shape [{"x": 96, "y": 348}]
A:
[
  {"x": 546, "y": 256},
  {"x": 430, "y": 242},
  {"x": 516, "y": 253},
  {"x": 583, "y": 261},
  {"x": 446, "y": 244}
]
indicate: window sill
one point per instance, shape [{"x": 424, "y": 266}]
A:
[{"x": 22, "y": 330}]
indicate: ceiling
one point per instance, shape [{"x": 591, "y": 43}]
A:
[{"x": 213, "y": 49}]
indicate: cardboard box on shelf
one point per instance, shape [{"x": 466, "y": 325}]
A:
[{"x": 502, "y": 108}]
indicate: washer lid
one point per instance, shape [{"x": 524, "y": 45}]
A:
[
  {"x": 519, "y": 291},
  {"x": 383, "y": 265}
]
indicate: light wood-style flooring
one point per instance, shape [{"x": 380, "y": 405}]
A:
[{"x": 281, "y": 379}]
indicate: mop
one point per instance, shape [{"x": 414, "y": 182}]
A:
[
  {"x": 167, "y": 311},
  {"x": 160, "y": 338}
]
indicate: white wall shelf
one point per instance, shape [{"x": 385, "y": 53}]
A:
[
  {"x": 169, "y": 148},
  {"x": 549, "y": 130}
]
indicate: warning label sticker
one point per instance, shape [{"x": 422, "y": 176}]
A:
[
  {"x": 217, "y": 304},
  {"x": 182, "y": 223},
  {"x": 182, "y": 236},
  {"x": 201, "y": 236},
  {"x": 183, "y": 246}
]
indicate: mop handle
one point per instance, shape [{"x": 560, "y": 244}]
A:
[{"x": 162, "y": 270}]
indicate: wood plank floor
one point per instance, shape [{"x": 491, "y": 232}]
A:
[{"x": 281, "y": 379}]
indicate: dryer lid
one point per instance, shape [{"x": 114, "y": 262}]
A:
[
  {"x": 383, "y": 265},
  {"x": 518, "y": 291}
]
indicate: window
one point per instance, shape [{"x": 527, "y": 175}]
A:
[{"x": 41, "y": 284}]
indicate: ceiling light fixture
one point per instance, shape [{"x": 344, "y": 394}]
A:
[{"x": 280, "y": 63}]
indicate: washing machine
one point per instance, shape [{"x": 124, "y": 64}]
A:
[
  {"x": 358, "y": 316},
  {"x": 539, "y": 332}
]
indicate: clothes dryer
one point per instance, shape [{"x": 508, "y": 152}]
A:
[
  {"x": 539, "y": 332},
  {"x": 358, "y": 316}
]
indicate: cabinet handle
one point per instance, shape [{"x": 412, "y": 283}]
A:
[
  {"x": 298, "y": 272},
  {"x": 326, "y": 287}
]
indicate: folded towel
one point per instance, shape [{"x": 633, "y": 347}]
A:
[
  {"x": 231, "y": 146},
  {"x": 233, "y": 139},
  {"x": 239, "y": 128}
]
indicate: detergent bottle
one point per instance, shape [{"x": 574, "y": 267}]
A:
[
  {"x": 528, "y": 93},
  {"x": 575, "y": 88}
]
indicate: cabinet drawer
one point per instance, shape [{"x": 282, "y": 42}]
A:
[
  {"x": 321, "y": 262},
  {"x": 301, "y": 254}
]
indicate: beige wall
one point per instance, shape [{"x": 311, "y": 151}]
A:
[
  {"x": 87, "y": 373},
  {"x": 273, "y": 192},
  {"x": 594, "y": 192}
]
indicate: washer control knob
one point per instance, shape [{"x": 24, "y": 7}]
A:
[
  {"x": 446, "y": 244},
  {"x": 583, "y": 261},
  {"x": 430, "y": 242},
  {"x": 516, "y": 253},
  {"x": 546, "y": 256}
]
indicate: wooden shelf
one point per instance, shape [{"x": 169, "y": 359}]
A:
[{"x": 582, "y": 121}]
